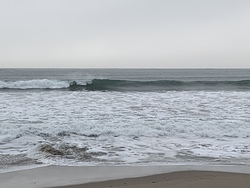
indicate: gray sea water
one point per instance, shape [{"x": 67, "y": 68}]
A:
[{"x": 124, "y": 117}]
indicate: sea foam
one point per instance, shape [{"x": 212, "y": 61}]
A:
[
  {"x": 126, "y": 127},
  {"x": 34, "y": 84}
]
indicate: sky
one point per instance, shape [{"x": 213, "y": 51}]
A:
[{"x": 124, "y": 34}]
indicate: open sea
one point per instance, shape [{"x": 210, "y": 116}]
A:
[{"x": 79, "y": 117}]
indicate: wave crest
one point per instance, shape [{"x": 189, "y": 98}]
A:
[
  {"x": 126, "y": 85},
  {"x": 34, "y": 84}
]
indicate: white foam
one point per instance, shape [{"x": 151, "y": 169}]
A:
[
  {"x": 34, "y": 84},
  {"x": 133, "y": 128}
]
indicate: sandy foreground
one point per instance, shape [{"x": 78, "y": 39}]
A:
[
  {"x": 183, "y": 179},
  {"x": 129, "y": 177}
]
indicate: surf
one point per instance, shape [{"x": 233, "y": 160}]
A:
[{"x": 125, "y": 85}]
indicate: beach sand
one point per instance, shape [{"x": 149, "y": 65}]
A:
[
  {"x": 185, "y": 179},
  {"x": 171, "y": 176}
]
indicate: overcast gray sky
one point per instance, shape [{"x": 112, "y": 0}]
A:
[{"x": 125, "y": 33}]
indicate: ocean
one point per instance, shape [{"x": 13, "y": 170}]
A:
[{"x": 79, "y": 117}]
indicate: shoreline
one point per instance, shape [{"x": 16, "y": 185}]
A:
[{"x": 76, "y": 177}]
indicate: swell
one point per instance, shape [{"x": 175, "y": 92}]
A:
[
  {"x": 125, "y": 85},
  {"x": 165, "y": 85}
]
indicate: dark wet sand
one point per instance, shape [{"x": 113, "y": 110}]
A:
[
  {"x": 169, "y": 176},
  {"x": 182, "y": 179}
]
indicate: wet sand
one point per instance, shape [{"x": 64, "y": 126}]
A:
[
  {"x": 185, "y": 179},
  {"x": 172, "y": 176}
]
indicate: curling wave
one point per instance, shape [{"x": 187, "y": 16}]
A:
[
  {"x": 160, "y": 85},
  {"x": 126, "y": 85}
]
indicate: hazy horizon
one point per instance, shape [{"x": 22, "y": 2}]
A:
[{"x": 160, "y": 34}]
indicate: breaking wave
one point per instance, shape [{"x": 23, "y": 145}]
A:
[
  {"x": 125, "y": 85},
  {"x": 34, "y": 84}
]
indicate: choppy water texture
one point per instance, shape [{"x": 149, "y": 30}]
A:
[{"x": 124, "y": 117}]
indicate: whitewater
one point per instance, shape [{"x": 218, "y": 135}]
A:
[{"x": 81, "y": 117}]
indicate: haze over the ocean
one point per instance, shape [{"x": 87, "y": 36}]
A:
[{"x": 125, "y": 33}]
